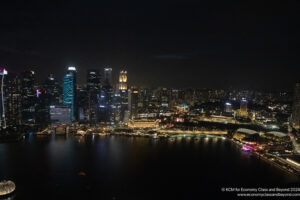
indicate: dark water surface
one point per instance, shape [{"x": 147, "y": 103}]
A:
[{"x": 119, "y": 167}]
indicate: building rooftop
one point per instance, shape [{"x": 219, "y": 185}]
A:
[
  {"x": 247, "y": 131},
  {"x": 278, "y": 134}
]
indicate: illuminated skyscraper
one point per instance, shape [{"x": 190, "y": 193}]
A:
[
  {"x": 12, "y": 93},
  {"x": 243, "y": 111},
  {"x": 107, "y": 76},
  {"x": 28, "y": 95},
  {"x": 53, "y": 90},
  {"x": 296, "y": 107},
  {"x": 106, "y": 107},
  {"x": 123, "y": 80},
  {"x": 93, "y": 80},
  {"x": 42, "y": 107},
  {"x": 3, "y": 73},
  {"x": 122, "y": 103},
  {"x": 133, "y": 95},
  {"x": 243, "y": 106},
  {"x": 93, "y": 94},
  {"x": 69, "y": 92}
]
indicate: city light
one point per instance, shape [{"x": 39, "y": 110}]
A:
[
  {"x": 71, "y": 68},
  {"x": 149, "y": 100}
]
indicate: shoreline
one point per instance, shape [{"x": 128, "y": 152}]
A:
[{"x": 271, "y": 162}]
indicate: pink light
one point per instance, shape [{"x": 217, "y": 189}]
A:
[
  {"x": 245, "y": 148},
  {"x": 249, "y": 148}
]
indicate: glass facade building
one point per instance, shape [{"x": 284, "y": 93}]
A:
[{"x": 69, "y": 92}]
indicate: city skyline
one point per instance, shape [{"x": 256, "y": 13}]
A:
[
  {"x": 149, "y": 100},
  {"x": 115, "y": 80}
]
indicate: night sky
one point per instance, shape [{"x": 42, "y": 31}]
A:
[{"x": 214, "y": 44}]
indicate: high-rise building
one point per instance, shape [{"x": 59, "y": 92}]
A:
[
  {"x": 106, "y": 105},
  {"x": 3, "y": 73},
  {"x": 93, "y": 80},
  {"x": 82, "y": 103},
  {"x": 12, "y": 95},
  {"x": 42, "y": 108},
  {"x": 243, "y": 111},
  {"x": 133, "y": 96},
  {"x": 69, "y": 92},
  {"x": 28, "y": 97},
  {"x": 122, "y": 104},
  {"x": 53, "y": 90},
  {"x": 243, "y": 106},
  {"x": 123, "y": 80},
  {"x": 107, "y": 76},
  {"x": 93, "y": 94},
  {"x": 296, "y": 107}
]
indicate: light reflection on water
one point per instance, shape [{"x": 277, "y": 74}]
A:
[{"x": 124, "y": 165}]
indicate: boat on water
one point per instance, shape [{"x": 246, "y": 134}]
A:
[{"x": 7, "y": 187}]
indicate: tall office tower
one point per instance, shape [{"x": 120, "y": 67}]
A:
[
  {"x": 243, "y": 105},
  {"x": 3, "y": 73},
  {"x": 93, "y": 80},
  {"x": 82, "y": 103},
  {"x": 28, "y": 97},
  {"x": 296, "y": 107},
  {"x": 12, "y": 95},
  {"x": 123, "y": 92},
  {"x": 106, "y": 106},
  {"x": 133, "y": 95},
  {"x": 42, "y": 107},
  {"x": 53, "y": 90},
  {"x": 93, "y": 94},
  {"x": 69, "y": 92},
  {"x": 123, "y": 80},
  {"x": 243, "y": 111},
  {"x": 107, "y": 76}
]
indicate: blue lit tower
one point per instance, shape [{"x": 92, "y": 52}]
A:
[{"x": 69, "y": 92}]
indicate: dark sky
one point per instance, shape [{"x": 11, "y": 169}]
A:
[{"x": 213, "y": 44}]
